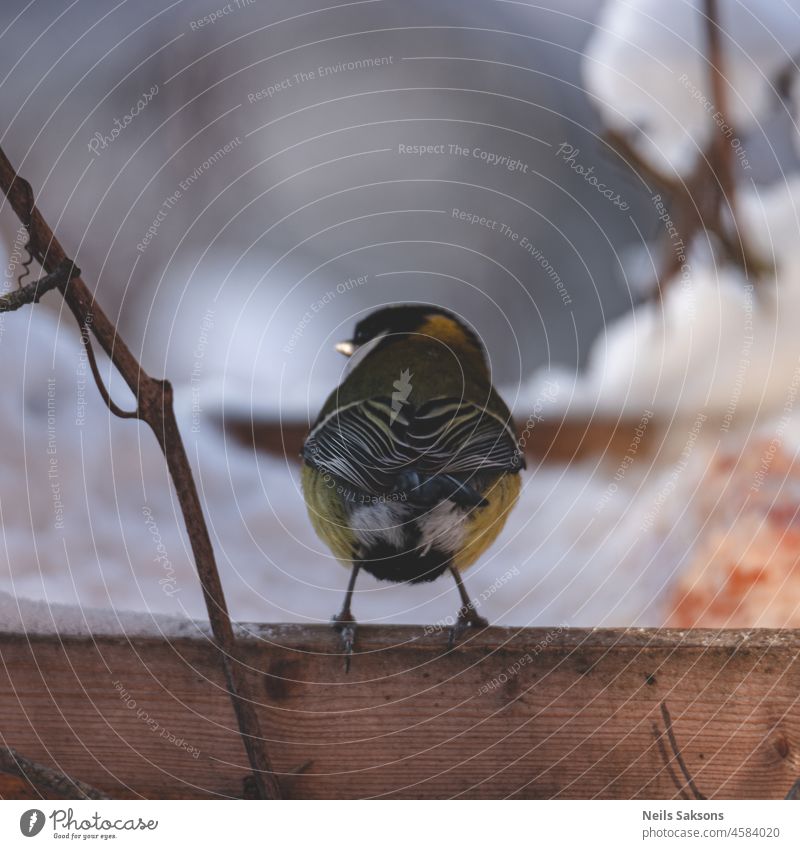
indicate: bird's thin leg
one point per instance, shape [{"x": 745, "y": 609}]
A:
[
  {"x": 344, "y": 621},
  {"x": 467, "y": 615}
]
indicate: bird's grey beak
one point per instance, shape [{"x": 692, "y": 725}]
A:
[{"x": 346, "y": 348}]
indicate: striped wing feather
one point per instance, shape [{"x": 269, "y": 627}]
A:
[
  {"x": 368, "y": 445},
  {"x": 454, "y": 437}
]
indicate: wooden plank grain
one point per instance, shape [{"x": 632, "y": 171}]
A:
[{"x": 528, "y": 713}]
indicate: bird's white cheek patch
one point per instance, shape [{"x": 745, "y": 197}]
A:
[{"x": 361, "y": 352}]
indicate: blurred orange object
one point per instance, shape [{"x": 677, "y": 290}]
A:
[{"x": 745, "y": 567}]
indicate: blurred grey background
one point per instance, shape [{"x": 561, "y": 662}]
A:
[
  {"x": 266, "y": 184},
  {"x": 241, "y": 180}
]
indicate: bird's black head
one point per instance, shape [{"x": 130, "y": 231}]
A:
[{"x": 393, "y": 323}]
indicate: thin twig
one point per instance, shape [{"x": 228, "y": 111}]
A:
[
  {"x": 27, "y": 247},
  {"x": 45, "y": 777},
  {"x": 721, "y": 153},
  {"x": 659, "y": 737},
  {"x": 696, "y": 202},
  {"x": 677, "y": 752},
  {"x": 786, "y": 78},
  {"x": 691, "y": 203},
  {"x": 719, "y": 93},
  {"x": 31, "y": 292},
  {"x": 98, "y": 380},
  {"x": 154, "y": 406}
]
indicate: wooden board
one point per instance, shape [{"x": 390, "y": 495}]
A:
[{"x": 530, "y": 713}]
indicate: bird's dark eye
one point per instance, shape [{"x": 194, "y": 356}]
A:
[{"x": 362, "y": 337}]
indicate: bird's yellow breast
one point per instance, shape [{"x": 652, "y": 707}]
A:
[
  {"x": 328, "y": 515},
  {"x": 485, "y": 523}
]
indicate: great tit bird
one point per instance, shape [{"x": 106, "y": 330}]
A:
[{"x": 412, "y": 466}]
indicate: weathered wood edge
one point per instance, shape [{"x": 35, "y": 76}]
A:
[
  {"x": 576, "y": 721},
  {"x": 318, "y": 637}
]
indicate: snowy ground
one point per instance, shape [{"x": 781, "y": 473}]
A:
[{"x": 89, "y": 519}]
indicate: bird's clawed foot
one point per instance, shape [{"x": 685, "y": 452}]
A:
[
  {"x": 345, "y": 624},
  {"x": 467, "y": 618}
]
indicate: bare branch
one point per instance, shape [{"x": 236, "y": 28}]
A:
[
  {"x": 31, "y": 292},
  {"x": 154, "y": 406},
  {"x": 721, "y": 153},
  {"x": 696, "y": 203},
  {"x": 719, "y": 92}
]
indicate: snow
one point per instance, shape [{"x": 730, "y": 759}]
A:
[
  {"x": 719, "y": 341},
  {"x": 117, "y": 543},
  {"x": 92, "y": 538},
  {"x": 41, "y": 618},
  {"x": 587, "y": 545},
  {"x": 645, "y": 66},
  {"x": 770, "y": 217},
  {"x": 121, "y": 546},
  {"x": 713, "y": 341}
]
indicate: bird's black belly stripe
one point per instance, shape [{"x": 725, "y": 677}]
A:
[{"x": 388, "y": 564}]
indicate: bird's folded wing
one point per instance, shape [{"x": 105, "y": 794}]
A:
[
  {"x": 455, "y": 437},
  {"x": 369, "y": 445},
  {"x": 361, "y": 444}
]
